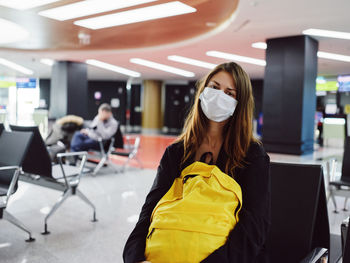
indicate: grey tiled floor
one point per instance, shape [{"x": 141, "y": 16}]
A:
[
  {"x": 74, "y": 238},
  {"x": 118, "y": 198}
]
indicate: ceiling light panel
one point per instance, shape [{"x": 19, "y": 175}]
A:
[
  {"x": 333, "y": 56},
  {"x": 235, "y": 57},
  {"x": 25, "y": 4},
  {"x": 162, "y": 67},
  {"x": 86, "y": 8},
  {"x": 260, "y": 45},
  {"x": 11, "y": 32},
  {"x": 326, "y": 33},
  {"x": 15, "y": 66},
  {"x": 137, "y": 15},
  {"x": 193, "y": 62},
  {"x": 47, "y": 61},
  {"x": 114, "y": 68}
]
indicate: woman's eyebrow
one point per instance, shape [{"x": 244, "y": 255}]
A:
[{"x": 217, "y": 83}]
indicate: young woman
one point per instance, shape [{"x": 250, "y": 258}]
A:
[{"x": 224, "y": 213}]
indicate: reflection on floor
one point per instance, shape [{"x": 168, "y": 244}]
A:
[
  {"x": 150, "y": 151},
  {"x": 118, "y": 198}
]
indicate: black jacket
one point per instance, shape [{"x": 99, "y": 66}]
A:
[{"x": 245, "y": 243}]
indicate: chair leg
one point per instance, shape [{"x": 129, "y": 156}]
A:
[
  {"x": 334, "y": 202},
  {"x": 115, "y": 167},
  {"x": 126, "y": 163},
  {"x": 86, "y": 200},
  {"x": 60, "y": 201},
  {"x": 99, "y": 165},
  {"x": 345, "y": 201},
  {"x": 18, "y": 224},
  {"x": 140, "y": 163}
]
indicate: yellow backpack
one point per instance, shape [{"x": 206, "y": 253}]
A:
[{"x": 195, "y": 217}]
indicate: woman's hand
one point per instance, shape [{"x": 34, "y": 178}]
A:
[{"x": 144, "y": 262}]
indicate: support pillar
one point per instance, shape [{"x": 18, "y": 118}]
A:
[
  {"x": 69, "y": 89},
  {"x": 289, "y": 99},
  {"x": 152, "y": 105}
]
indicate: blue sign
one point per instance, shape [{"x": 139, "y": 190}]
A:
[{"x": 26, "y": 83}]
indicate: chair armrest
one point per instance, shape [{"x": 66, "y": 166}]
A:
[
  {"x": 61, "y": 155},
  {"x": 317, "y": 255},
  {"x": 81, "y": 167},
  {"x": 9, "y": 167}
]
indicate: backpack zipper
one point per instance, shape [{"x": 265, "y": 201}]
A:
[
  {"x": 150, "y": 234},
  {"x": 188, "y": 177}
]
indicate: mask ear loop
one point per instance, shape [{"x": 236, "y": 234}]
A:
[{"x": 204, "y": 157}]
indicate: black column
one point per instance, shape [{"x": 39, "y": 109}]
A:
[
  {"x": 289, "y": 100},
  {"x": 69, "y": 90}
]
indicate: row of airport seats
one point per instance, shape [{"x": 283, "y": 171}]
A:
[
  {"x": 24, "y": 156},
  {"x": 299, "y": 226},
  {"x": 118, "y": 145},
  {"x": 36, "y": 167}
]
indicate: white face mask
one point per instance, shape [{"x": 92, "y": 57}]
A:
[{"x": 217, "y": 105}]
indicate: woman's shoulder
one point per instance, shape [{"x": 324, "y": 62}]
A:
[
  {"x": 176, "y": 148},
  {"x": 256, "y": 150}
]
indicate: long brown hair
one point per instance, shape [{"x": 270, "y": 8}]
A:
[{"x": 238, "y": 131}]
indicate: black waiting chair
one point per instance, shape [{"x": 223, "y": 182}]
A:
[
  {"x": 38, "y": 169},
  {"x": 1, "y": 127},
  {"x": 116, "y": 146},
  {"x": 340, "y": 187},
  {"x": 14, "y": 146},
  {"x": 299, "y": 218}
]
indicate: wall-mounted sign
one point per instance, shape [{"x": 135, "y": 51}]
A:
[{"x": 27, "y": 83}]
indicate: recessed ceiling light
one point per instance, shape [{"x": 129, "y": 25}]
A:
[
  {"x": 162, "y": 67},
  {"x": 11, "y": 32},
  {"x": 86, "y": 8},
  {"x": 114, "y": 68},
  {"x": 22, "y": 5},
  {"x": 326, "y": 33},
  {"x": 47, "y": 61},
  {"x": 137, "y": 15},
  {"x": 333, "y": 56},
  {"x": 235, "y": 57},
  {"x": 15, "y": 66},
  {"x": 191, "y": 61},
  {"x": 261, "y": 45}
]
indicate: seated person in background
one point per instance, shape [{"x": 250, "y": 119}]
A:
[{"x": 102, "y": 127}]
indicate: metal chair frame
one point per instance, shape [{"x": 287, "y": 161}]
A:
[
  {"x": 71, "y": 186},
  {"x": 49, "y": 177},
  {"x": 334, "y": 190},
  {"x": 105, "y": 155},
  {"x": 3, "y": 204}
]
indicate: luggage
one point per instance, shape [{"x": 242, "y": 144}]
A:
[{"x": 195, "y": 217}]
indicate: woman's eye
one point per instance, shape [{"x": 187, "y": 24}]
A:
[{"x": 230, "y": 93}]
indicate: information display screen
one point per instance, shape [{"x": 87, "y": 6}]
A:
[{"x": 344, "y": 83}]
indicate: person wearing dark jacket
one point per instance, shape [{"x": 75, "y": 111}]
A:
[{"x": 217, "y": 131}]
